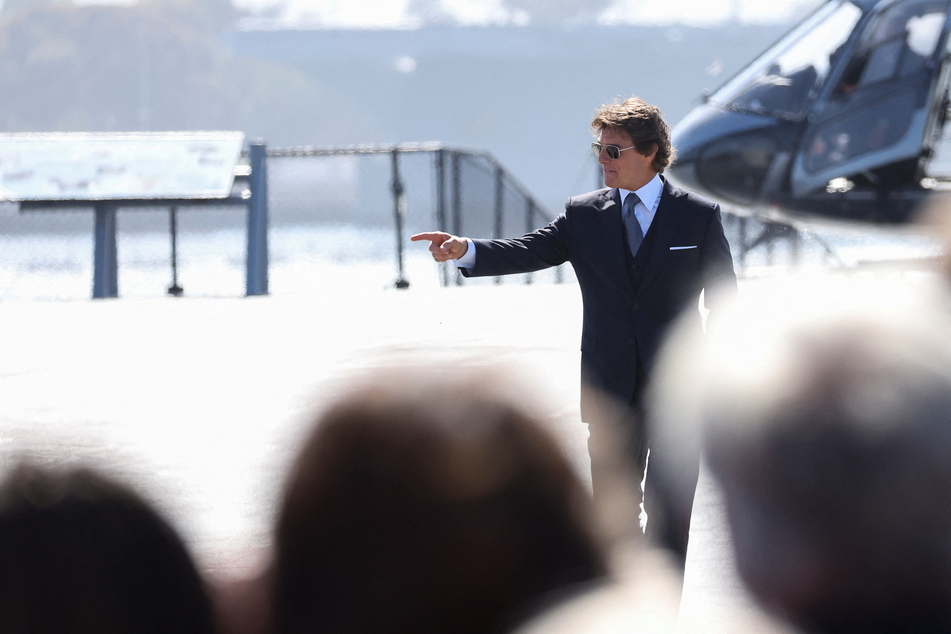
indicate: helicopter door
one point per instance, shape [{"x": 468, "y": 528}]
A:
[{"x": 877, "y": 108}]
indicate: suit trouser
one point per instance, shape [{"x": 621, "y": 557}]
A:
[{"x": 666, "y": 493}]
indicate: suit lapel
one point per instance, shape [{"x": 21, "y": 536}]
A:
[{"x": 665, "y": 223}]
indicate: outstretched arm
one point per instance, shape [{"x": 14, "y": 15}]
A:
[{"x": 443, "y": 246}]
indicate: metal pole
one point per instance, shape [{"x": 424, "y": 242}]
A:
[
  {"x": 105, "y": 273},
  {"x": 257, "y": 256},
  {"x": 499, "y": 210},
  {"x": 399, "y": 211},
  {"x": 560, "y": 269},
  {"x": 174, "y": 290},
  {"x": 441, "y": 206},
  {"x": 456, "y": 204},
  {"x": 529, "y": 226}
]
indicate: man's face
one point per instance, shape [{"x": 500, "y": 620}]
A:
[{"x": 632, "y": 170}]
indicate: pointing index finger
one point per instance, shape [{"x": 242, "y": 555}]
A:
[{"x": 431, "y": 236}]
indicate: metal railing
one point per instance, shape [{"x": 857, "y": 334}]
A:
[
  {"x": 288, "y": 193},
  {"x": 449, "y": 167}
]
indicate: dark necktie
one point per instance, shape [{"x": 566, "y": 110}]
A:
[{"x": 635, "y": 235}]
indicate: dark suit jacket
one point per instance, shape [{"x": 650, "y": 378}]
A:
[{"x": 624, "y": 324}]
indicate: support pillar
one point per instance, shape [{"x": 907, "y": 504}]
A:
[
  {"x": 257, "y": 256},
  {"x": 105, "y": 272}
]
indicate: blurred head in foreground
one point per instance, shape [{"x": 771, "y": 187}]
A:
[
  {"x": 80, "y": 552},
  {"x": 825, "y": 412},
  {"x": 429, "y": 500}
]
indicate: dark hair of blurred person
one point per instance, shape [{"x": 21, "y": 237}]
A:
[
  {"x": 826, "y": 419},
  {"x": 81, "y": 552},
  {"x": 430, "y": 500}
]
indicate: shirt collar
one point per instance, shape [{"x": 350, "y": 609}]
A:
[{"x": 649, "y": 193}]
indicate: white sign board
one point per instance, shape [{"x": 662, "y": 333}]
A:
[{"x": 118, "y": 166}]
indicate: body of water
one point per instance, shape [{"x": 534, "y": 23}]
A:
[
  {"x": 331, "y": 258},
  {"x": 303, "y": 259}
]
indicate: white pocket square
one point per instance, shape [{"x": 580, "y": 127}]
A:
[{"x": 682, "y": 248}]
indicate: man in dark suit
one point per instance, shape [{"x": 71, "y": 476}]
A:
[{"x": 642, "y": 250}]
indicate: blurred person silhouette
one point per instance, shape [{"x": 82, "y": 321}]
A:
[
  {"x": 824, "y": 413},
  {"x": 431, "y": 500},
  {"x": 82, "y": 552}
]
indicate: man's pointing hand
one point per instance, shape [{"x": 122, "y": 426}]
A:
[{"x": 443, "y": 246}]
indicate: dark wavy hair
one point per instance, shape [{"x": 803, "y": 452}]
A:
[{"x": 645, "y": 125}]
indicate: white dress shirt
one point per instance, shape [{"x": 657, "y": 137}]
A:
[{"x": 649, "y": 196}]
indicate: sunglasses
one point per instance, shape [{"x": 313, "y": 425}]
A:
[{"x": 614, "y": 152}]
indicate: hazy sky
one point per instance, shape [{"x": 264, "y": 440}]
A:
[
  {"x": 392, "y": 12},
  {"x": 383, "y": 13}
]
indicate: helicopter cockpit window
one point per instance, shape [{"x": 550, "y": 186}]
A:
[
  {"x": 896, "y": 44},
  {"x": 782, "y": 82},
  {"x": 876, "y": 96}
]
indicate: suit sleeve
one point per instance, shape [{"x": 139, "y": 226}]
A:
[
  {"x": 540, "y": 249},
  {"x": 719, "y": 277}
]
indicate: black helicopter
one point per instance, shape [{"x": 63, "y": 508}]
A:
[{"x": 841, "y": 118}]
